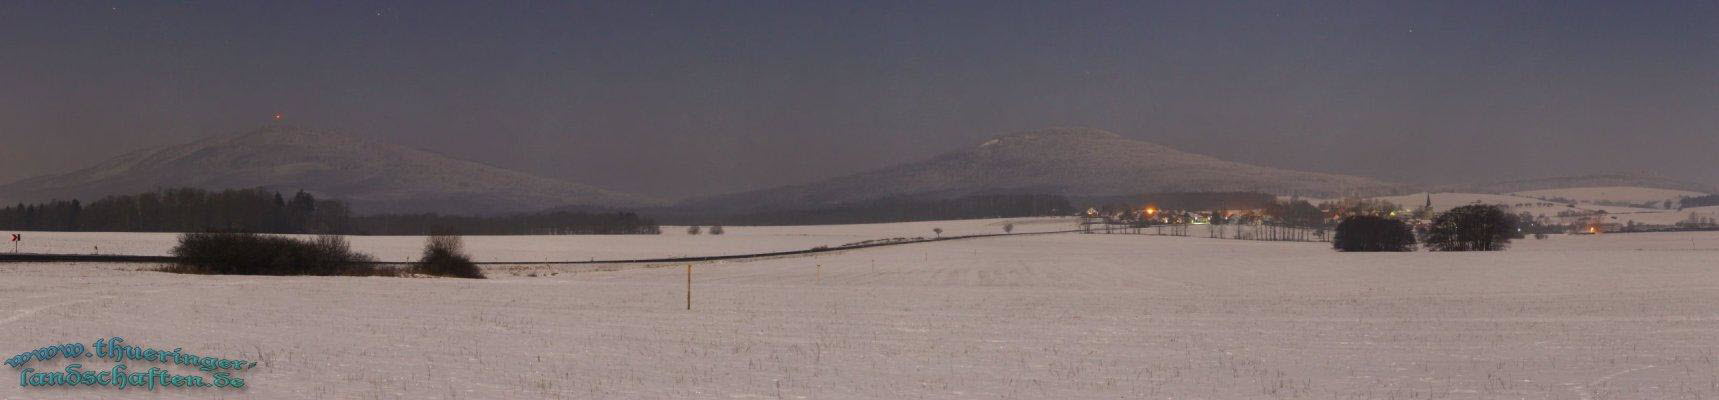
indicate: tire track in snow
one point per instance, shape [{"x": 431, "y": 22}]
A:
[
  {"x": 32, "y": 311},
  {"x": 1586, "y": 394},
  {"x": 21, "y": 314}
]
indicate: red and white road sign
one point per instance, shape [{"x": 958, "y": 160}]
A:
[{"x": 17, "y": 237}]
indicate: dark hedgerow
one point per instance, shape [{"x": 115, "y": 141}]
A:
[
  {"x": 1370, "y": 233},
  {"x": 444, "y": 255},
  {"x": 253, "y": 254}
]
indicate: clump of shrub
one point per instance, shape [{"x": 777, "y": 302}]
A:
[
  {"x": 692, "y": 230},
  {"x": 253, "y": 254},
  {"x": 716, "y": 229},
  {"x": 1372, "y": 233},
  {"x": 445, "y": 255},
  {"x": 1476, "y": 227},
  {"x": 1009, "y": 228}
]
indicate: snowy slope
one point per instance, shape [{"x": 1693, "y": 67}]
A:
[
  {"x": 1584, "y": 181},
  {"x": 1518, "y": 204},
  {"x": 1627, "y": 194},
  {"x": 371, "y": 176},
  {"x": 1068, "y": 161},
  {"x": 1664, "y": 217}
]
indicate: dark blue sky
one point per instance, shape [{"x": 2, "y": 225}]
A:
[{"x": 704, "y": 97}]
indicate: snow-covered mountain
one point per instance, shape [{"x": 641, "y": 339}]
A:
[
  {"x": 370, "y": 175},
  {"x": 1067, "y": 161}
]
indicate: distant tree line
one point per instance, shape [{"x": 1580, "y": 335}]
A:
[
  {"x": 184, "y": 210},
  {"x": 1298, "y": 213},
  {"x": 1701, "y": 201},
  {"x": 905, "y": 209},
  {"x": 544, "y": 223},
  {"x": 1184, "y": 201},
  {"x": 263, "y": 211},
  {"x": 1209, "y": 200}
]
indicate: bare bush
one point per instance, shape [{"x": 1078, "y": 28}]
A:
[
  {"x": 253, "y": 254},
  {"x": 444, "y": 255}
]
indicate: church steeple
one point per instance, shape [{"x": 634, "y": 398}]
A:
[{"x": 1426, "y": 211}]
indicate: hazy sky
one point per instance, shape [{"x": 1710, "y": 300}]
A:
[{"x": 703, "y": 97}]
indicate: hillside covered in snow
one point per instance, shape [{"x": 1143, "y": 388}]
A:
[
  {"x": 1063, "y": 161},
  {"x": 370, "y": 175}
]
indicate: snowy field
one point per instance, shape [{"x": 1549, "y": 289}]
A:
[
  {"x": 1034, "y": 317},
  {"x": 673, "y": 242},
  {"x": 1626, "y": 194},
  {"x": 1527, "y": 202}
]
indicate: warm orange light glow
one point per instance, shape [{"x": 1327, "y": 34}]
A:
[
  {"x": 278, "y": 116},
  {"x": 1151, "y": 211}
]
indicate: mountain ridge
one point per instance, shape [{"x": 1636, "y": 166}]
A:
[
  {"x": 371, "y": 175},
  {"x": 1072, "y": 161}
]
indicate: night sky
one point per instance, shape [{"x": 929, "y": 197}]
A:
[{"x": 704, "y": 97}]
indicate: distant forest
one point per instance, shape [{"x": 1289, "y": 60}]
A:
[
  {"x": 1701, "y": 201},
  {"x": 262, "y": 211},
  {"x": 544, "y": 223},
  {"x": 900, "y": 210}
]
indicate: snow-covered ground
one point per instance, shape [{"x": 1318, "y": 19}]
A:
[
  {"x": 1519, "y": 203},
  {"x": 1064, "y": 316},
  {"x": 1516, "y": 202},
  {"x": 674, "y": 242},
  {"x": 1626, "y": 194},
  {"x": 1671, "y": 217},
  {"x": 1446, "y": 201}
]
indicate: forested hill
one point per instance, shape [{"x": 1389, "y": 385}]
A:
[
  {"x": 369, "y": 175},
  {"x": 264, "y": 211}
]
